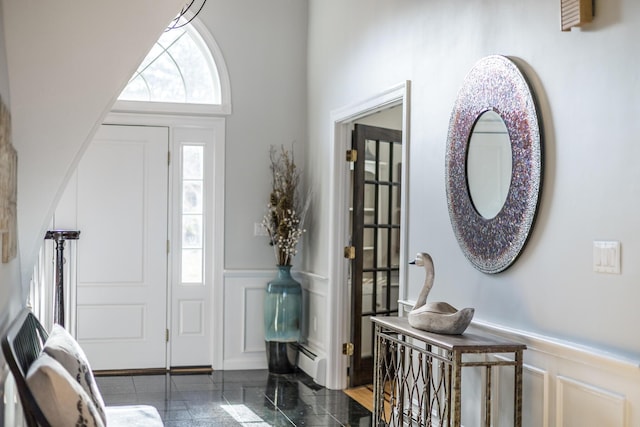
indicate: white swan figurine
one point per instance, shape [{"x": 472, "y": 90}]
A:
[{"x": 438, "y": 317}]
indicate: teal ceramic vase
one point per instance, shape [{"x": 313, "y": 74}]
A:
[{"x": 282, "y": 311}]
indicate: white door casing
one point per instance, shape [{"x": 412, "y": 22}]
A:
[
  {"x": 122, "y": 258},
  {"x": 341, "y": 121}
]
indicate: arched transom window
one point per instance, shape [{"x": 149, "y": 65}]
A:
[{"x": 179, "y": 69}]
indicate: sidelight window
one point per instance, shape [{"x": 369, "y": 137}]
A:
[{"x": 192, "y": 211}]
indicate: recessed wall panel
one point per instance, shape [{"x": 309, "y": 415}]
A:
[
  {"x": 535, "y": 395},
  {"x": 253, "y": 320},
  {"x": 316, "y": 319},
  {"x": 581, "y": 404}
]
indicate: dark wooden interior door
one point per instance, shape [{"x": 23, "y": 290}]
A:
[{"x": 375, "y": 235}]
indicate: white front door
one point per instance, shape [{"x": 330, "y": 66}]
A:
[{"x": 121, "y": 213}]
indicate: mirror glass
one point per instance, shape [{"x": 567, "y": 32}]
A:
[{"x": 489, "y": 164}]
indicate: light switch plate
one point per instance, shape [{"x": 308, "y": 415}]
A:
[{"x": 606, "y": 257}]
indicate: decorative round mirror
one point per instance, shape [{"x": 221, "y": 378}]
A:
[{"x": 493, "y": 164}]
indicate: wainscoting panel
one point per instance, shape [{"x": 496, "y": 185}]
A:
[
  {"x": 567, "y": 385},
  {"x": 315, "y": 310},
  {"x": 253, "y": 331},
  {"x": 313, "y": 358},
  {"x": 535, "y": 386},
  {"x": 473, "y": 392},
  {"x": 581, "y": 404},
  {"x": 535, "y": 409},
  {"x": 244, "y": 346}
]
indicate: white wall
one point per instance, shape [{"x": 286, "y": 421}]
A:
[
  {"x": 61, "y": 66},
  {"x": 65, "y": 77},
  {"x": 10, "y": 294},
  {"x": 67, "y": 61},
  {"x": 588, "y": 87},
  {"x": 264, "y": 47}
]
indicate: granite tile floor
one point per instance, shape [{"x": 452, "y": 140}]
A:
[{"x": 236, "y": 398}]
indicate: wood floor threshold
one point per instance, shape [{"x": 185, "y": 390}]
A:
[
  {"x": 363, "y": 395},
  {"x": 180, "y": 370}
]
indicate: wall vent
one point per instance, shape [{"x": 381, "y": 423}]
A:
[{"x": 575, "y": 13}]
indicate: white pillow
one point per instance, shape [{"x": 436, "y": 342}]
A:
[
  {"x": 62, "y": 400},
  {"x": 61, "y": 346}
]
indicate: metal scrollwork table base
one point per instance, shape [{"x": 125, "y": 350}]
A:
[{"x": 418, "y": 375}]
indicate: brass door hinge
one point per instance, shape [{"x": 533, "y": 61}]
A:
[
  {"x": 350, "y": 252},
  {"x": 352, "y": 156},
  {"x": 347, "y": 349}
]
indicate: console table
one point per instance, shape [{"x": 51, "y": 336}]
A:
[{"x": 421, "y": 373}]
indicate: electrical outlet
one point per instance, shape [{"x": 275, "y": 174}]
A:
[
  {"x": 258, "y": 230},
  {"x": 606, "y": 257}
]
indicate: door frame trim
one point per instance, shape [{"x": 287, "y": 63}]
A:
[
  {"x": 216, "y": 254},
  {"x": 341, "y": 121}
]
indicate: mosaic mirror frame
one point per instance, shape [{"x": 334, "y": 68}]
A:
[{"x": 495, "y": 83}]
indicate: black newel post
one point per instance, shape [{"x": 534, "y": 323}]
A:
[{"x": 60, "y": 236}]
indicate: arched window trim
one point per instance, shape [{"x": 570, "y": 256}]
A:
[{"x": 191, "y": 109}]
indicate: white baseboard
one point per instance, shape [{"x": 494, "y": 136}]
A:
[{"x": 245, "y": 364}]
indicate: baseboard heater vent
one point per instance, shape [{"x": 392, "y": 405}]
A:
[{"x": 313, "y": 363}]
